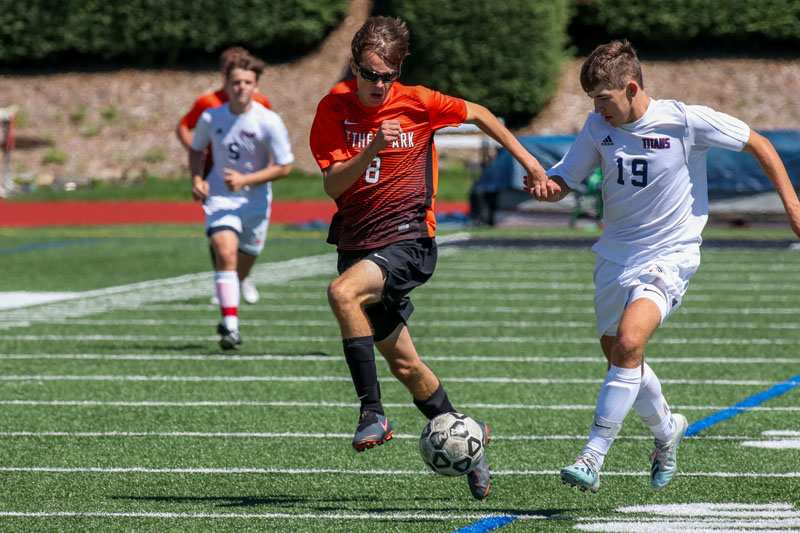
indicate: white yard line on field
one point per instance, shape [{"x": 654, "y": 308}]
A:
[
  {"x": 428, "y": 323},
  {"x": 262, "y": 516},
  {"x": 434, "y": 309},
  {"x": 419, "y": 338},
  {"x": 696, "y": 517},
  {"x": 306, "y": 471},
  {"x": 680, "y": 517},
  {"x": 780, "y": 444},
  {"x": 511, "y": 267},
  {"x": 279, "y": 435},
  {"x": 323, "y": 379},
  {"x": 318, "y": 294},
  {"x": 441, "y": 284},
  {"x": 337, "y": 359},
  {"x": 348, "y": 405}
]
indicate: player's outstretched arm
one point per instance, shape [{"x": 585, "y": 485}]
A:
[
  {"x": 491, "y": 126},
  {"x": 762, "y": 150}
]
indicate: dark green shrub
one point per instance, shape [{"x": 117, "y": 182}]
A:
[
  {"x": 161, "y": 31},
  {"x": 681, "y": 26},
  {"x": 504, "y": 55}
]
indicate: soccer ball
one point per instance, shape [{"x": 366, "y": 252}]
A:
[{"x": 451, "y": 444}]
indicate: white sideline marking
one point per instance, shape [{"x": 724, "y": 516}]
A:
[
  {"x": 708, "y": 525},
  {"x": 419, "y": 338},
  {"x": 337, "y": 359},
  {"x": 181, "y": 287},
  {"x": 714, "y": 509},
  {"x": 780, "y": 433},
  {"x": 709, "y": 517},
  {"x": 781, "y": 440},
  {"x": 783, "y": 444},
  {"x": 243, "y": 470},
  {"x": 14, "y": 299},
  {"x": 188, "y": 286},
  {"x": 236, "y": 379},
  {"x": 244, "y": 403}
]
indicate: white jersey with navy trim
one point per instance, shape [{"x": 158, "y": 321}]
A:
[
  {"x": 655, "y": 194},
  {"x": 245, "y": 143}
]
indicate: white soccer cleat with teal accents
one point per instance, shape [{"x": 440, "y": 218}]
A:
[
  {"x": 664, "y": 458},
  {"x": 582, "y": 474}
]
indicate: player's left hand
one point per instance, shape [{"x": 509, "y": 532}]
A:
[
  {"x": 552, "y": 192},
  {"x": 234, "y": 181},
  {"x": 536, "y": 182}
]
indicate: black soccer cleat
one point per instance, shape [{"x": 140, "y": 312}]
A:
[
  {"x": 373, "y": 429},
  {"x": 478, "y": 478},
  {"x": 228, "y": 340}
]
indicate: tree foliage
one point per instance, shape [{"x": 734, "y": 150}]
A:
[
  {"x": 505, "y": 55},
  {"x": 160, "y": 31}
]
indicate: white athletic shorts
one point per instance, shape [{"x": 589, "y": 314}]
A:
[
  {"x": 614, "y": 282},
  {"x": 249, "y": 221}
]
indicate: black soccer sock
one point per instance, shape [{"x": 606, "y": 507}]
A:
[
  {"x": 437, "y": 404},
  {"x": 359, "y": 352}
]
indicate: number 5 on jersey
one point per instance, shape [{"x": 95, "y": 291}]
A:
[{"x": 373, "y": 172}]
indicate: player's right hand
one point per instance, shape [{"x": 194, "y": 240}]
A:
[{"x": 389, "y": 131}]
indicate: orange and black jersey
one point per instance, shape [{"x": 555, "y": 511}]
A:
[{"x": 393, "y": 199}]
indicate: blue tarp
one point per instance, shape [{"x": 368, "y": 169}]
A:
[{"x": 729, "y": 173}]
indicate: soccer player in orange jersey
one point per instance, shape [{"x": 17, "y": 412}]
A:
[
  {"x": 375, "y": 148},
  {"x": 189, "y": 122}
]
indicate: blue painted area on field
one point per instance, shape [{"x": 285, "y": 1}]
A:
[
  {"x": 487, "y": 524},
  {"x": 46, "y": 245},
  {"x": 744, "y": 405}
]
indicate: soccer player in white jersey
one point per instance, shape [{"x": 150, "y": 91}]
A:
[
  {"x": 250, "y": 147},
  {"x": 653, "y": 157}
]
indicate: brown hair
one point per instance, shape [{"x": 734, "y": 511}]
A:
[
  {"x": 613, "y": 64},
  {"x": 245, "y": 61},
  {"x": 385, "y": 36},
  {"x": 228, "y": 54}
]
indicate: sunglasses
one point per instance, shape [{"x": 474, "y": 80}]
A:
[{"x": 372, "y": 76}]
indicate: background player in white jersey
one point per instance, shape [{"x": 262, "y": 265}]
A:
[
  {"x": 244, "y": 136},
  {"x": 655, "y": 205},
  {"x": 184, "y": 132}
]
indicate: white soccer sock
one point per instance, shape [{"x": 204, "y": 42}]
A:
[
  {"x": 652, "y": 408},
  {"x": 227, "y": 282},
  {"x": 614, "y": 401}
]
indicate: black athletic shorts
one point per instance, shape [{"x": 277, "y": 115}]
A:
[{"x": 407, "y": 264}]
